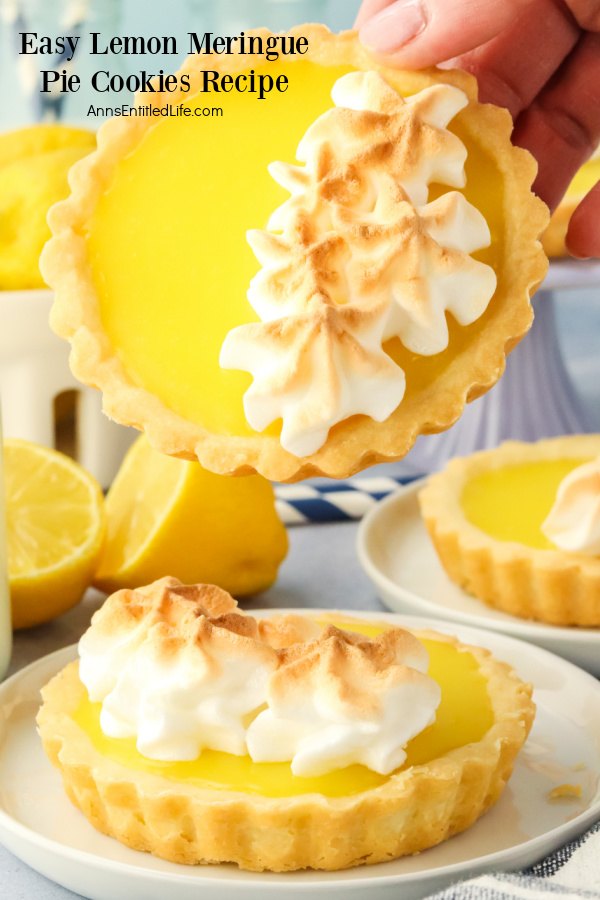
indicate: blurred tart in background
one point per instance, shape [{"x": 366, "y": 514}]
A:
[
  {"x": 518, "y": 527},
  {"x": 34, "y": 163}
]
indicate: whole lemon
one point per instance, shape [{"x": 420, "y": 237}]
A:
[{"x": 166, "y": 516}]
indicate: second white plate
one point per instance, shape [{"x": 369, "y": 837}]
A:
[{"x": 396, "y": 552}]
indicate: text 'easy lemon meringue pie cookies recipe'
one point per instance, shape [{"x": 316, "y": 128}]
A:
[
  {"x": 299, "y": 319},
  {"x": 201, "y": 734}
]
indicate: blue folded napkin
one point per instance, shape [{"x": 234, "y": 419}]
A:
[{"x": 333, "y": 501}]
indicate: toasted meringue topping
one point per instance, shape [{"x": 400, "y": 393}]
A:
[
  {"x": 176, "y": 667},
  {"x": 343, "y": 699},
  {"x": 357, "y": 256},
  {"x": 573, "y": 523},
  {"x": 180, "y": 669},
  {"x": 282, "y": 632}
]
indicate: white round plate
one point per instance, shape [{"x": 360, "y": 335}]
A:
[
  {"x": 396, "y": 552},
  {"x": 41, "y": 827}
]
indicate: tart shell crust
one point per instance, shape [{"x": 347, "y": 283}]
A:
[
  {"x": 357, "y": 442},
  {"x": 413, "y": 810},
  {"x": 550, "y": 586}
]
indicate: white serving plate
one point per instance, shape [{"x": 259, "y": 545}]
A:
[
  {"x": 41, "y": 827},
  {"x": 396, "y": 552}
]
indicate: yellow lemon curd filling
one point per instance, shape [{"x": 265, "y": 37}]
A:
[
  {"x": 168, "y": 251},
  {"x": 510, "y": 503},
  {"x": 585, "y": 179},
  {"x": 464, "y": 716}
]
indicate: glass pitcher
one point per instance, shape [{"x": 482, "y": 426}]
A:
[{"x": 5, "y": 625}]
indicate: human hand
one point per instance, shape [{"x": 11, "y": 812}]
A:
[{"x": 538, "y": 58}]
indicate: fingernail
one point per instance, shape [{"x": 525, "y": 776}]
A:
[{"x": 394, "y": 26}]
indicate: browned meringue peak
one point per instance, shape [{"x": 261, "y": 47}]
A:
[
  {"x": 281, "y": 632},
  {"x": 175, "y": 613},
  {"x": 309, "y": 356},
  {"x": 301, "y": 266},
  {"x": 312, "y": 336},
  {"x": 368, "y": 263},
  {"x": 360, "y": 257},
  {"x": 395, "y": 261},
  {"x": 351, "y": 670},
  {"x": 373, "y": 129},
  {"x": 180, "y": 675}
]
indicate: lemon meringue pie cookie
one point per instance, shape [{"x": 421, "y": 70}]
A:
[
  {"x": 299, "y": 319},
  {"x": 519, "y": 527},
  {"x": 192, "y": 731}
]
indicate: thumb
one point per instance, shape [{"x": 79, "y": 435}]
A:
[{"x": 418, "y": 33}]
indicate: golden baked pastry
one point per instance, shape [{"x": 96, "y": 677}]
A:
[
  {"x": 488, "y": 515},
  {"x": 372, "y": 318},
  {"x": 219, "y": 806}
]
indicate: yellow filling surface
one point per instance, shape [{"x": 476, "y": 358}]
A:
[
  {"x": 168, "y": 251},
  {"x": 464, "y": 716},
  {"x": 511, "y": 503},
  {"x": 585, "y": 179}
]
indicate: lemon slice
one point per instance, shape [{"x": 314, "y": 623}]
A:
[
  {"x": 166, "y": 516},
  {"x": 55, "y": 528}
]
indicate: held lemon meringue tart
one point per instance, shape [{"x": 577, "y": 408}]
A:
[
  {"x": 519, "y": 527},
  {"x": 298, "y": 319},
  {"x": 191, "y": 730}
]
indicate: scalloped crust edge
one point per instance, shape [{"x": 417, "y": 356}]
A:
[
  {"x": 75, "y": 314},
  {"x": 412, "y": 811},
  {"x": 550, "y": 586}
]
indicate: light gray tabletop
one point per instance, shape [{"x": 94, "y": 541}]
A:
[{"x": 321, "y": 570}]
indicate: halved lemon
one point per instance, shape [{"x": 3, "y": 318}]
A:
[
  {"x": 55, "y": 530},
  {"x": 166, "y": 516}
]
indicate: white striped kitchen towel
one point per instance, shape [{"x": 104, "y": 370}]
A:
[
  {"x": 332, "y": 501},
  {"x": 570, "y": 873}
]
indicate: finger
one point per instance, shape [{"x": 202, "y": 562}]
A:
[
  {"x": 586, "y": 13},
  {"x": 507, "y": 71},
  {"x": 415, "y": 33},
  {"x": 562, "y": 126},
  {"x": 368, "y": 9},
  {"x": 583, "y": 236}
]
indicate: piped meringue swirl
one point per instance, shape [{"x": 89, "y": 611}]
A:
[
  {"x": 573, "y": 523},
  {"x": 357, "y": 256},
  {"x": 177, "y": 667},
  {"x": 343, "y": 699},
  {"x": 181, "y": 669}
]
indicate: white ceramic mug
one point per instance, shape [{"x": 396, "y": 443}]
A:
[{"x": 34, "y": 371}]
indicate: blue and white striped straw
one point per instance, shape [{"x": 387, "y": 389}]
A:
[{"x": 336, "y": 501}]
